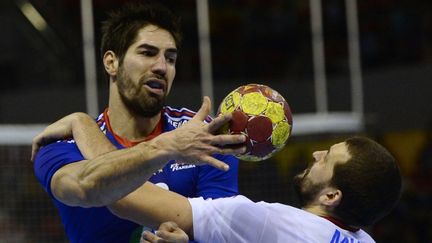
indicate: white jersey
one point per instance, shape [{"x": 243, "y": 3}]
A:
[{"x": 238, "y": 219}]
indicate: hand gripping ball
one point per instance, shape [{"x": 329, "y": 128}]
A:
[{"x": 260, "y": 113}]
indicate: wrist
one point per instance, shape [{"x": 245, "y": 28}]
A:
[
  {"x": 166, "y": 143},
  {"x": 157, "y": 148}
]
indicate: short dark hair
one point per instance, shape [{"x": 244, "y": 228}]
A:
[
  {"x": 370, "y": 183},
  {"x": 120, "y": 29}
]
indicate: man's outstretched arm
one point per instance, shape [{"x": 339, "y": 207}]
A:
[
  {"x": 151, "y": 205},
  {"x": 108, "y": 174}
]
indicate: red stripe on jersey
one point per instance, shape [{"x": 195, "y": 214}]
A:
[
  {"x": 100, "y": 121},
  {"x": 128, "y": 143},
  {"x": 175, "y": 113}
]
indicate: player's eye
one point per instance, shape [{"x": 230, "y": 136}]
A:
[
  {"x": 148, "y": 53},
  {"x": 171, "y": 58}
]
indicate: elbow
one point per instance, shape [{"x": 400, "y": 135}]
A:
[
  {"x": 83, "y": 195},
  {"x": 118, "y": 209},
  {"x": 75, "y": 190},
  {"x": 79, "y": 199},
  {"x": 90, "y": 195}
]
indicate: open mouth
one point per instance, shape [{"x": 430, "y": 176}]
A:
[{"x": 155, "y": 86}]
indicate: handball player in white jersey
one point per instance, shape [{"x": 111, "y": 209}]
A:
[{"x": 351, "y": 185}]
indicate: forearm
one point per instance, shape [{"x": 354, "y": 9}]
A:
[
  {"x": 151, "y": 205},
  {"x": 108, "y": 174},
  {"x": 113, "y": 175},
  {"x": 90, "y": 140}
]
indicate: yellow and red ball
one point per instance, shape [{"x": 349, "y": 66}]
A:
[{"x": 260, "y": 113}]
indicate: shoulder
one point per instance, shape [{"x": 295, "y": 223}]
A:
[
  {"x": 52, "y": 157},
  {"x": 364, "y": 236},
  {"x": 225, "y": 207},
  {"x": 223, "y": 219},
  {"x": 61, "y": 147},
  {"x": 232, "y": 201}
]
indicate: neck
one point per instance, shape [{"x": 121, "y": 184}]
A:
[
  {"x": 125, "y": 123},
  {"x": 317, "y": 210}
]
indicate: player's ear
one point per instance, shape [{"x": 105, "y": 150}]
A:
[
  {"x": 111, "y": 63},
  {"x": 330, "y": 197}
]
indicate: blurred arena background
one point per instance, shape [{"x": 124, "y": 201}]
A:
[{"x": 368, "y": 70}]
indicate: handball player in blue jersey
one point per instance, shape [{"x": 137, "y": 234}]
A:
[{"x": 142, "y": 139}]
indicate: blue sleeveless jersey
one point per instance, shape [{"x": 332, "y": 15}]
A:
[{"x": 98, "y": 224}]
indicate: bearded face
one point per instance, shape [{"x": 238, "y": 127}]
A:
[
  {"x": 305, "y": 189},
  {"x": 146, "y": 72},
  {"x": 136, "y": 98}
]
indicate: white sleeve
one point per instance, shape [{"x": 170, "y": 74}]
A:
[{"x": 233, "y": 219}]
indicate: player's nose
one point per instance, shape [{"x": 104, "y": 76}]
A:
[
  {"x": 317, "y": 155},
  {"x": 160, "y": 65}
]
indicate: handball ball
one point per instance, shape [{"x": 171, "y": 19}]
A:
[{"x": 260, "y": 113}]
